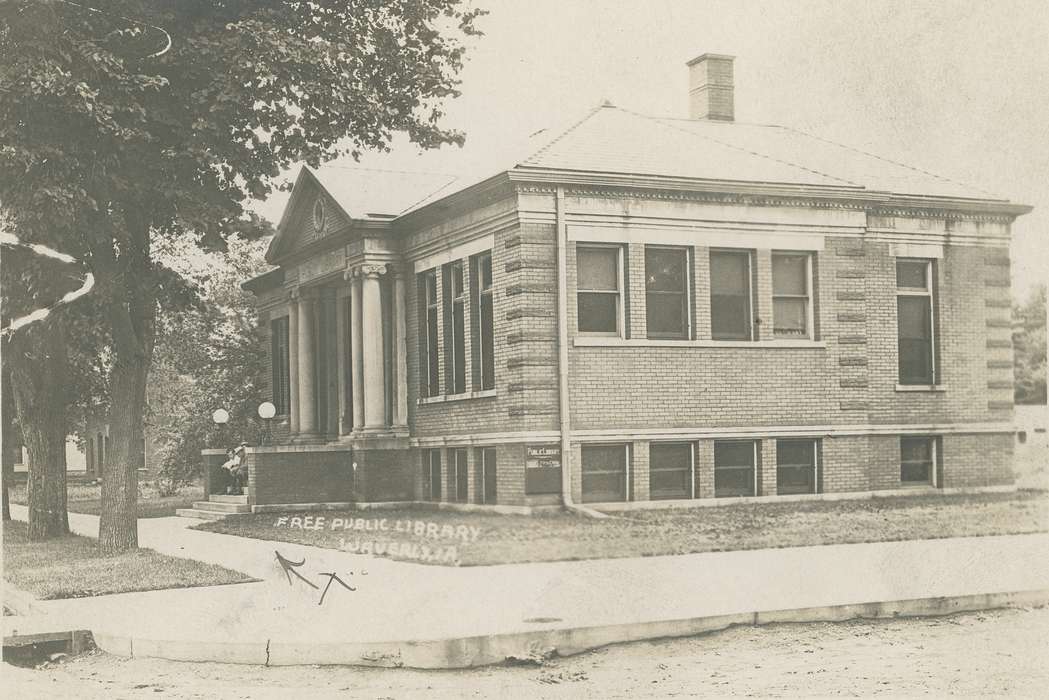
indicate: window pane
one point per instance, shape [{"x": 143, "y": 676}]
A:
[
  {"x": 795, "y": 466},
  {"x": 795, "y": 453},
  {"x": 670, "y": 471},
  {"x": 434, "y": 384},
  {"x": 790, "y": 317},
  {"x": 435, "y": 475},
  {"x": 733, "y": 454},
  {"x": 914, "y": 319},
  {"x": 603, "y": 458},
  {"x": 788, "y": 274},
  {"x": 667, "y": 315},
  {"x": 487, "y": 343},
  {"x": 729, "y": 273},
  {"x": 916, "y": 460},
  {"x": 665, "y": 269},
  {"x": 485, "y": 271},
  {"x": 733, "y": 482},
  {"x": 911, "y": 274},
  {"x": 598, "y": 313},
  {"x": 729, "y": 317},
  {"x": 456, "y": 269},
  {"x": 794, "y": 480},
  {"x": 459, "y": 349},
  {"x": 598, "y": 268},
  {"x": 489, "y": 461}
]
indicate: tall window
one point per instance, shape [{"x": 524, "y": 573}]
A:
[
  {"x": 792, "y": 295},
  {"x": 918, "y": 460},
  {"x": 461, "y": 474},
  {"x": 455, "y": 328},
  {"x": 429, "y": 364},
  {"x": 667, "y": 292},
  {"x": 604, "y": 473},
  {"x": 600, "y": 289},
  {"x": 488, "y": 492},
  {"x": 730, "y": 285},
  {"x": 281, "y": 365},
  {"x": 796, "y": 465},
  {"x": 914, "y": 317},
  {"x": 482, "y": 321},
  {"x": 670, "y": 470},
  {"x": 735, "y": 472},
  {"x": 433, "y": 475}
]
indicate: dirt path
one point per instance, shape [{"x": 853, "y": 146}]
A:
[{"x": 979, "y": 654}]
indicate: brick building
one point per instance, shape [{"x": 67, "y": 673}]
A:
[{"x": 640, "y": 309}]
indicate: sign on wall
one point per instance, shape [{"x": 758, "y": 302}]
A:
[{"x": 543, "y": 469}]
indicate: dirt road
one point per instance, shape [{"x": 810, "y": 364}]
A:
[{"x": 980, "y": 654}]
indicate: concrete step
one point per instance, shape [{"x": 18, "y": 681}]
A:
[
  {"x": 201, "y": 514},
  {"x": 220, "y": 498},
  {"x": 220, "y": 507}
]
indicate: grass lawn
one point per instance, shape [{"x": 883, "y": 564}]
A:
[
  {"x": 70, "y": 567},
  {"x": 87, "y": 499},
  {"x": 512, "y": 538}
]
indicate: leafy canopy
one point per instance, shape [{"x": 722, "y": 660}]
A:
[{"x": 94, "y": 128}]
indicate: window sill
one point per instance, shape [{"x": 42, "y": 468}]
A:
[
  {"x": 592, "y": 341},
  {"x": 446, "y": 398},
  {"x": 921, "y": 387}
]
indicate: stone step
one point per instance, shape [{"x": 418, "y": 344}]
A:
[
  {"x": 219, "y": 507},
  {"x": 201, "y": 514},
  {"x": 220, "y": 498}
]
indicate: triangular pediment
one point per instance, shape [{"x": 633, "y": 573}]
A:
[{"x": 310, "y": 215}]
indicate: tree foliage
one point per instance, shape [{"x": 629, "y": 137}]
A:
[
  {"x": 107, "y": 138},
  {"x": 1029, "y": 338}
]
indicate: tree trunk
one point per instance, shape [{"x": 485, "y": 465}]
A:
[
  {"x": 132, "y": 315},
  {"x": 7, "y": 438},
  {"x": 39, "y": 368}
]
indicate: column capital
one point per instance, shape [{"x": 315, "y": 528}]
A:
[
  {"x": 373, "y": 269},
  {"x": 293, "y": 293}
]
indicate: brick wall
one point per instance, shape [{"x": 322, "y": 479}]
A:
[{"x": 300, "y": 477}]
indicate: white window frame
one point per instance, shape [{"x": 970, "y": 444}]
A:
[
  {"x": 750, "y": 293},
  {"x": 934, "y": 455},
  {"x": 810, "y": 326},
  {"x": 928, "y": 291},
  {"x": 754, "y": 468},
  {"x": 620, "y": 331},
  {"x": 815, "y": 461},
  {"x": 691, "y": 464},
  {"x": 689, "y": 252}
]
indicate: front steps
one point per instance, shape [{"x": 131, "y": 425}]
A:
[{"x": 217, "y": 507}]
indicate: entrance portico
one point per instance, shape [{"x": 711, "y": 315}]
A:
[{"x": 348, "y": 364}]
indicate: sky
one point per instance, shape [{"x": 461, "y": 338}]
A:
[{"x": 956, "y": 87}]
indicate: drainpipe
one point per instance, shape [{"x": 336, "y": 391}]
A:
[{"x": 562, "y": 361}]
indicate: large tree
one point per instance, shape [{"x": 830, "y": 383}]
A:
[
  {"x": 130, "y": 118},
  {"x": 1029, "y": 348}
]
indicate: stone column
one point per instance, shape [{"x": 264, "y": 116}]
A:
[
  {"x": 342, "y": 365},
  {"x": 400, "y": 350},
  {"x": 307, "y": 396},
  {"x": 374, "y": 371},
  {"x": 357, "y": 350},
  {"x": 293, "y": 362}
]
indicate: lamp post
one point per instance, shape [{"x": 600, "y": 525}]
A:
[
  {"x": 221, "y": 417},
  {"x": 266, "y": 412}
]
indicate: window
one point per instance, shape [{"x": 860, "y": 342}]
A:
[
  {"x": 433, "y": 475},
  {"x": 429, "y": 367},
  {"x": 792, "y": 295},
  {"x": 486, "y": 456},
  {"x": 730, "y": 285},
  {"x": 599, "y": 289},
  {"x": 483, "y": 321},
  {"x": 796, "y": 465},
  {"x": 604, "y": 473},
  {"x": 455, "y": 328},
  {"x": 914, "y": 318},
  {"x": 918, "y": 457},
  {"x": 667, "y": 292},
  {"x": 462, "y": 479},
  {"x": 670, "y": 471},
  {"x": 280, "y": 364},
  {"x": 734, "y": 468}
]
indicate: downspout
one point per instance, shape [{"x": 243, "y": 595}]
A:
[{"x": 562, "y": 361}]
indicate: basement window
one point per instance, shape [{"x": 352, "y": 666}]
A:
[
  {"x": 797, "y": 462},
  {"x": 735, "y": 472},
  {"x": 670, "y": 472},
  {"x": 918, "y": 461}
]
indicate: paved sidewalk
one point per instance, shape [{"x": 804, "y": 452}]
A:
[{"x": 417, "y": 615}]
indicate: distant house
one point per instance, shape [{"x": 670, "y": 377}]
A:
[
  {"x": 643, "y": 308},
  {"x": 96, "y": 449}
]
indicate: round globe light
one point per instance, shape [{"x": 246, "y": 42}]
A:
[
  {"x": 267, "y": 410},
  {"x": 220, "y": 416}
]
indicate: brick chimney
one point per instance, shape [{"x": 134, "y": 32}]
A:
[{"x": 710, "y": 87}]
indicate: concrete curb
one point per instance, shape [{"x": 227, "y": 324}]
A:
[
  {"x": 536, "y": 645},
  {"x": 21, "y": 602}
]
